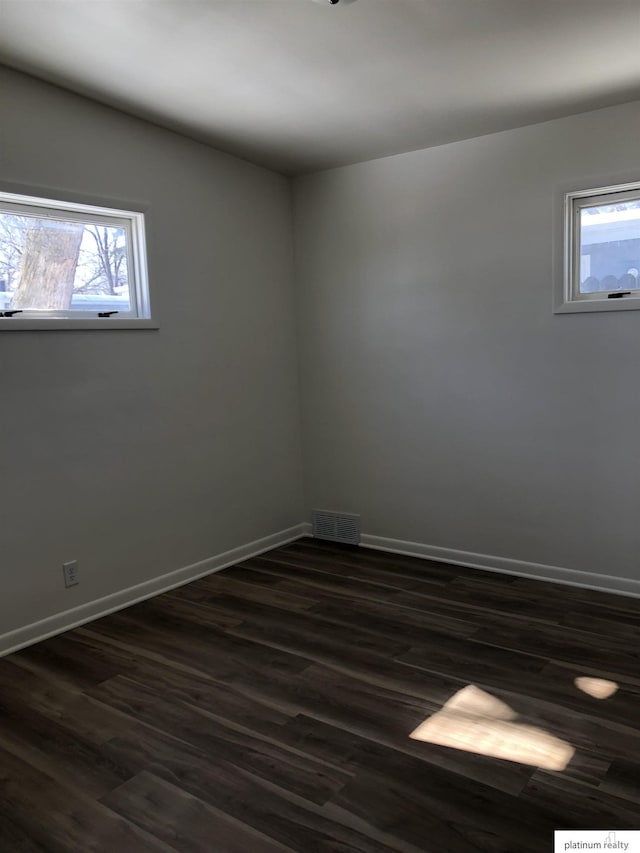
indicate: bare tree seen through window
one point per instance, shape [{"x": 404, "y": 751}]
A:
[
  {"x": 49, "y": 262},
  {"x": 58, "y": 265}
]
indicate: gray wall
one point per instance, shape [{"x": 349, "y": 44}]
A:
[
  {"x": 442, "y": 398},
  {"x": 141, "y": 452}
]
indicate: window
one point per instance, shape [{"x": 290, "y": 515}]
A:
[
  {"x": 601, "y": 250},
  {"x": 68, "y": 265}
]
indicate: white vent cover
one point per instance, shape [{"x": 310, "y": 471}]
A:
[{"x": 336, "y": 526}]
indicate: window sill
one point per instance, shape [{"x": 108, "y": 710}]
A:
[
  {"x": 629, "y": 303},
  {"x": 14, "y": 324}
]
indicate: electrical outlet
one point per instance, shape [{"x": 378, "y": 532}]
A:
[{"x": 71, "y": 573}]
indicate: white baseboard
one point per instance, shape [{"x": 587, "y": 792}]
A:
[
  {"x": 504, "y": 565},
  {"x": 68, "y": 619},
  {"x": 41, "y": 630}
]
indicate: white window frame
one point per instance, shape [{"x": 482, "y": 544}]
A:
[
  {"x": 568, "y": 299},
  {"x": 132, "y": 221}
]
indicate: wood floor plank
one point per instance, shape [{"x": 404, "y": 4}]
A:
[
  {"x": 269, "y": 708},
  {"x": 425, "y": 571},
  {"x": 296, "y": 569},
  {"x": 310, "y": 627},
  {"x": 15, "y": 837},
  {"x": 411, "y": 627},
  {"x": 437, "y": 817},
  {"x": 537, "y": 705},
  {"x": 551, "y": 685},
  {"x": 623, "y": 780},
  {"x": 326, "y": 692},
  {"x": 182, "y": 820},
  {"x": 361, "y": 569},
  {"x": 63, "y": 819},
  {"x": 211, "y": 651},
  {"x": 295, "y": 576},
  {"x": 471, "y": 660},
  {"x": 592, "y": 600},
  {"x": 203, "y": 590},
  {"x": 397, "y": 757},
  {"x": 574, "y": 804},
  {"x": 59, "y": 660},
  {"x": 357, "y": 708},
  {"x": 24, "y": 689},
  {"x": 263, "y": 806},
  {"x": 261, "y": 755},
  {"x": 605, "y": 625},
  {"x": 55, "y": 748},
  {"x": 572, "y": 645},
  {"x": 559, "y": 681},
  {"x": 355, "y": 662},
  {"x": 181, "y": 604}
]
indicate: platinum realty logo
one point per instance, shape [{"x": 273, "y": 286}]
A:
[{"x": 626, "y": 840}]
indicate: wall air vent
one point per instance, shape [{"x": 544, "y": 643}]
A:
[{"x": 336, "y": 526}]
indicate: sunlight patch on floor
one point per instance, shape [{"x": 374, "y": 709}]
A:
[
  {"x": 475, "y": 721},
  {"x": 599, "y": 688}
]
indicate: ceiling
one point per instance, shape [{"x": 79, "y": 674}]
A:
[{"x": 297, "y": 86}]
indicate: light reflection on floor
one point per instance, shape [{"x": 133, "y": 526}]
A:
[
  {"x": 475, "y": 721},
  {"x": 598, "y": 688}
]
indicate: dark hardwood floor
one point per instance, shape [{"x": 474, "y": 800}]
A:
[{"x": 268, "y": 708}]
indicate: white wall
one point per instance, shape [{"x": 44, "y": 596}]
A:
[
  {"x": 442, "y": 398},
  {"x": 140, "y": 452}
]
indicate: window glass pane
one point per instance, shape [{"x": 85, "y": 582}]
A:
[
  {"x": 57, "y": 264},
  {"x": 610, "y": 247}
]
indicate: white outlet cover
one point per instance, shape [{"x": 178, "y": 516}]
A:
[{"x": 70, "y": 572}]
